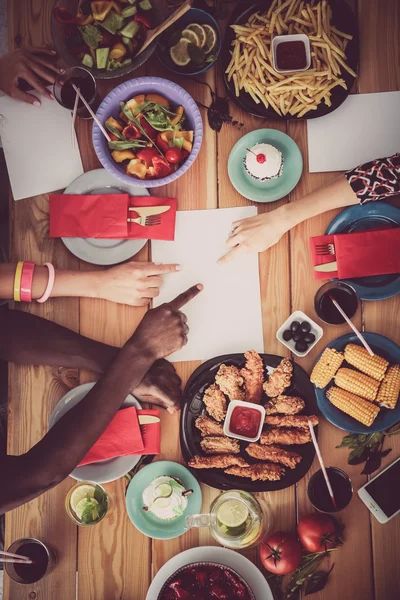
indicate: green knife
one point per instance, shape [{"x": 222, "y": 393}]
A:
[{"x": 327, "y": 267}]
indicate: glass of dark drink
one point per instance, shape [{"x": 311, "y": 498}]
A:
[
  {"x": 43, "y": 560},
  {"x": 341, "y": 486},
  {"x": 65, "y": 93},
  {"x": 344, "y": 295}
]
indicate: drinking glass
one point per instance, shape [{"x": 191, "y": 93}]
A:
[
  {"x": 44, "y": 561},
  {"x": 344, "y": 295},
  {"x": 65, "y": 94},
  {"x": 318, "y": 494},
  {"x": 70, "y": 511}
]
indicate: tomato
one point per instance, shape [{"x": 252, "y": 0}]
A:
[
  {"x": 142, "y": 19},
  {"x": 173, "y": 155},
  {"x": 318, "y": 532},
  {"x": 184, "y": 153},
  {"x": 147, "y": 155},
  {"x": 107, "y": 39},
  {"x": 131, "y": 132},
  {"x": 113, "y": 137},
  {"x": 163, "y": 145},
  {"x": 281, "y": 553},
  {"x": 161, "y": 167},
  {"x": 151, "y": 132}
]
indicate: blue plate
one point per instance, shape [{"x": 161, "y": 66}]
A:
[
  {"x": 373, "y": 215},
  {"x": 145, "y": 521},
  {"x": 386, "y": 417}
]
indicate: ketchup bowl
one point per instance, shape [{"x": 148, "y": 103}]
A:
[{"x": 244, "y": 421}]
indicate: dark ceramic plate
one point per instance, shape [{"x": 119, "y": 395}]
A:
[
  {"x": 342, "y": 18},
  {"x": 193, "y": 407}
]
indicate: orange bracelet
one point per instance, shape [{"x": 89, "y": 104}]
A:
[{"x": 17, "y": 281}]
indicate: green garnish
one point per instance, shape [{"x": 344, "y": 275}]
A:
[
  {"x": 115, "y": 131},
  {"x": 178, "y": 511},
  {"x": 96, "y": 507},
  {"x": 90, "y": 35},
  {"x": 127, "y": 145},
  {"x": 197, "y": 55}
]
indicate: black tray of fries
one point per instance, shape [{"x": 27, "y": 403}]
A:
[
  {"x": 343, "y": 21},
  {"x": 193, "y": 407}
]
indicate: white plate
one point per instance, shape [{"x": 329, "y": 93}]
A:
[
  {"x": 222, "y": 556},
  {"x": 106, "y": 470},
  {"x": 103, "y": 251}
]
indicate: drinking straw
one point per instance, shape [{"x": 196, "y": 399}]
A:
[
  {"x": 354, "y": 328},
  {"x": 321, "y": 462},
  {"x": 103, "y": 131}
]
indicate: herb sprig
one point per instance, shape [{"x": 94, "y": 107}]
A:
[
  {"x": 367, "y": 448},
  {"x": 96, "y": 507}
]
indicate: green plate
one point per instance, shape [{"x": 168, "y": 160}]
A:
[
  {"x": 148, "y": 523},
  {"x": 273, "y": 189}
]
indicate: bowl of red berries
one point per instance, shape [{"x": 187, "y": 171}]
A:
[{"x": 204, "y": 580}]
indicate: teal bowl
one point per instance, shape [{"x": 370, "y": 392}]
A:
[
  {"x": 272, "y": 189},
  {"x": 147, "y": 523}
]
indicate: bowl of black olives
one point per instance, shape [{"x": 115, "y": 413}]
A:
[{"x": 299, "y": 333}]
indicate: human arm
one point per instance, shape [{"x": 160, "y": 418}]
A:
[
  {"x": 133, "y": 283},
  {"x": 162, "y": 331},
  {"x": 376, "y": 180}
]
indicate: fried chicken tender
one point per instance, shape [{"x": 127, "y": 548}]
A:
[
  {"x": 220, "y": 445},
  {"x": 279, "y": 379},
  {"x": 258, "y": 472},
  {"x": 215, "y": 402},
  {"x": 208, "y": 426},
  {"x": 284, "y": 405},
  {"x": 287, "y": 437},
  {"x": 230, "y": 382},
  {"x": 274, "y": 454},
  {"x": 253, "y": 375},
  {"x": 221, "y": 461},
  {"x": 292, "y": 420}
]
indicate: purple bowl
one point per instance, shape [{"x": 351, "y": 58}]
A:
[{"x": 144, "y": 85}]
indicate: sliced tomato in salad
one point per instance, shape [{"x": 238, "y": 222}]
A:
[
  {"x": 162, "y": 144},
  {"x": 161, "y": 167},
  {"x": 131, "y": 132},
  {"x": 147, "y": 155},
  {"x": 173, "y": 155},
  {"x": 142, "y": 19},
  {"x": 151, "y": 132}
]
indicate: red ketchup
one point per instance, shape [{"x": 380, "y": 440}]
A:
[{"x": 245, "y": 421}]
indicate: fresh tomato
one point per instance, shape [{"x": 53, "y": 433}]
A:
[
  {"x": 162, "y": 144},
  {"x": 281, "y": 553},
  {"x": 142, "y": 19},
  {"x": 131, "y": 132},
  {"x": 318, "y": 532},
  {"x": 184, "y": 153},
  {"x": 107, "y": 39},
  {"x": 151, "y": 132},
  {"x": 63, "y": 16},
  {"x": 113, "y": 137},
  {"x": 173, "y": 155},
  {"x": 161, "y": 167},
  {"x": 147, "y": 155}
]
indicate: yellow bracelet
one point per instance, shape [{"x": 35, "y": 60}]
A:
[{"x": 17, "y": 281}]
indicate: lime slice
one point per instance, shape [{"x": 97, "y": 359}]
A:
[
  {"x": 164, "y": 490},
  {"x": 160, "y": 503},
  {"x": 211, "y": 38},
  {"x": 199, "y": 30},
  {"x": 179, "y": 53},
  {"x": 188, "y": 34},
  {"x": 232, "y": 513},
  {"x": 81, "y": 493},
  {"x": 80, "y": 507}
]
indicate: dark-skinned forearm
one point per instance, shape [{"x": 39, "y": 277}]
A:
[{"x": 48, "y": 463}]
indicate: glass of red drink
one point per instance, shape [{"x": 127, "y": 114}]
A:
[
  {"x": 65, "y": 93},
  {"x": 43, "y": 561},
  {"x": 318, "y": 493},
  {"x": 344, "y": 295}
]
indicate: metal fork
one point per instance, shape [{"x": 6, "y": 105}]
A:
[
  {"x": 324, "y": 249},
  {"x": 146, "y": 221}
]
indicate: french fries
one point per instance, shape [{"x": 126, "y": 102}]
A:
[{"x": 295, "y": 94}]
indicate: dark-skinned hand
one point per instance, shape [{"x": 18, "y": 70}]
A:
[{"x": 161, "y": 386}]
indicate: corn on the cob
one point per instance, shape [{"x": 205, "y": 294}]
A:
[
  {"x": 390, "y": 388},
  {"x": 326, "y": 367},
  {"x": 359, "y": 357},
  {"x": 357, "y": 383},
  {"x": 353, "y": 405}
]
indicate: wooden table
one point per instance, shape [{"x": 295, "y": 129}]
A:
[{"x": 113, "y": 560}]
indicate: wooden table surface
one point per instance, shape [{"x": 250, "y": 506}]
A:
[{"x": 113, "y": 560}]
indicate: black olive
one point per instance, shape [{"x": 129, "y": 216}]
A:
[
  {"x": 309, "y": 338},
  {"x": 305, "y": 326},
  {"x": 294, "y": 326},
  {"x": 301, "y": 346},
  {"x": 298, "y": 336},
  {"x": 287, "y": 335}
]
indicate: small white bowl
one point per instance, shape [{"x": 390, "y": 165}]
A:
[
  {"x": 296, "y": 37},
  {"x": 298, "y": 315},
  {"x": 232, "y": 405}
]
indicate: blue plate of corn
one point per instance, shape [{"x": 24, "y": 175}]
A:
[{"x": 355, "y": 391}]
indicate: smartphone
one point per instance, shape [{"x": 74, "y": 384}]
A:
[{"x": 381, "y": 493}]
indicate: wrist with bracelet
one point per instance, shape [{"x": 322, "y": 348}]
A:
[{"x": 23, "y": 282}]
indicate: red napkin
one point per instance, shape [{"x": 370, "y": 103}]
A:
[
  {"x": 123, "y": 437},
  {"x": 105, "y": 216},
  {"x": 360, "y": 254}
]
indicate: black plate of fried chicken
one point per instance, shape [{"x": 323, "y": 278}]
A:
[{"x": 284, "y": 452}]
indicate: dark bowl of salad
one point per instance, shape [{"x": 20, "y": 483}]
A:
[{"x": 105, "y": 36}]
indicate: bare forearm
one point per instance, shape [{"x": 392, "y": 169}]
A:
[{"x": 27, "y": 339}]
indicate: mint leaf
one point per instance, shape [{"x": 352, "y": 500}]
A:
[
  {"x": 99, "y": 495},
  {"x": 87, "y": 514},
  {"x": 178, "y": 511},
  {"x": 90, "y": 35}
]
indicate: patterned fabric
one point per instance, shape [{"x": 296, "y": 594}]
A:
[{"x": 377, "y": 179}]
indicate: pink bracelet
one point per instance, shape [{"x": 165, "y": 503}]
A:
[
  {"x": 50, "y": 283},
  {"x": 26, "y": 281}
]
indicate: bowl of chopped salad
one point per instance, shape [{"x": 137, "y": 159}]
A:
[
  {"x": 104, "y": 36},
  {"x": 155, "y": 131}
]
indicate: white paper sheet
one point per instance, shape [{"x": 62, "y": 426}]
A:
[
  {"x": 226, "y": 316},
  {"x": 365, "y": 127},
  {"x": 38, "y": 147}
]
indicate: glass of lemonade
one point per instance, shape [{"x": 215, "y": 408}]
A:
[
  {"x": 87, "y": 503},
  {"x": 236, "y": 520}
]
